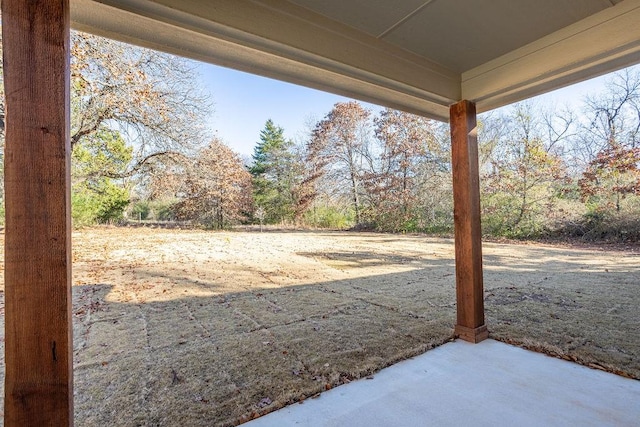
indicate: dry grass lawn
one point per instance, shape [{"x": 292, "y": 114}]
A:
[{"x": 194, "y": 328}]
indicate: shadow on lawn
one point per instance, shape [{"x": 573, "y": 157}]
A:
[
  {"x": 174, "y": 350},
  {"x": 223, "y": 358}
]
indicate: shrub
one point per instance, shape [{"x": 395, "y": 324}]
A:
[
  {"x": 140, "y": 210},
  {"x": 329, "y": 217}
]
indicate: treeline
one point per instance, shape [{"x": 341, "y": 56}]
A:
[
  {"x": 545, "y": 171},
  {"x": 140, "y": 151},
  {"x": 388, "y": 172},
  {"x": 558, "y": 172}
]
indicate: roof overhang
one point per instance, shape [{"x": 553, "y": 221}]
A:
[{"x": 284, "y": 40}]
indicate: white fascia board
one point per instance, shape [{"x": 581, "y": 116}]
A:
[
  {"x": 601, "y": 43},
  {"x": 284, "y": 42}
]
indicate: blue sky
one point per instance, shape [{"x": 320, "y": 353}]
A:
[{"x": 244, "y": 102}]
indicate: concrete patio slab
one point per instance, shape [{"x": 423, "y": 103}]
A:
[{"x": 486, "y": 384}]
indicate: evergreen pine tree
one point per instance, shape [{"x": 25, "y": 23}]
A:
[{"x": 274, "y": 174}]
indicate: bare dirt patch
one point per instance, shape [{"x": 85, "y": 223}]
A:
[{"x": 196, "y": 328}]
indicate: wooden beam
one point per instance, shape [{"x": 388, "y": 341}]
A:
[
  {"x": 38, "y": 347},
  {"x": 468, "y": 234}
]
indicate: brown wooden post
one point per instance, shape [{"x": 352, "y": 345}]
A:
[
  {"x": 468, "y": 234},
  {"x": 38, "y": 349}
]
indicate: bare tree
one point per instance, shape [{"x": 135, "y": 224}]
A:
[
  {"x": 148, "y": 97},
  {"x": 338, "y": 147},
  {"x": 407, "y": 144},
  {"x": 609, "y": 143},
  {"x": 217, "y": 189},
  {"x": 526, "y": 169}
]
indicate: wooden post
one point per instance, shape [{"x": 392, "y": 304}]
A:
[
  {"x": 468, "y": 234},
  {"x": 38, "y": 349}
]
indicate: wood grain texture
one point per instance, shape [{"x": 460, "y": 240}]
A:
[
  {"x": 38, "y": 351},
  {"x": 468, "y": 234}
]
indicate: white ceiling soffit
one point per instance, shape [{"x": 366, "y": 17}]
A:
[
  {"x": 601, "y": 43},
  {"x": 286, "y": 42},
  {"x": 458, "y": 34},
  {"x": 415, "y": 55}
]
